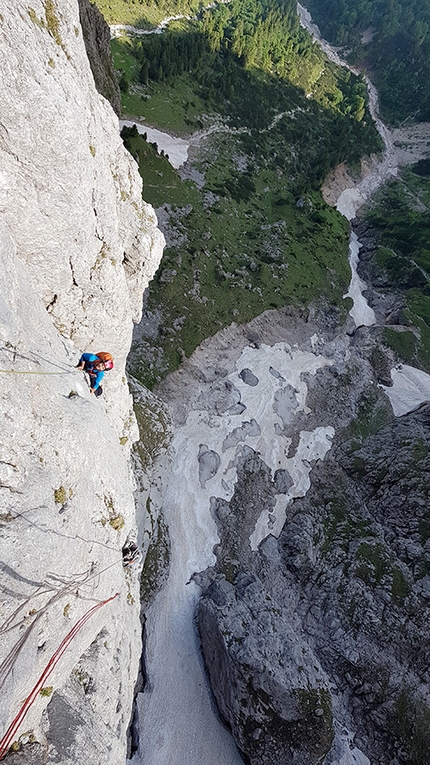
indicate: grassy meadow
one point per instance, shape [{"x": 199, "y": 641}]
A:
[{"x": 252, "y": 231}]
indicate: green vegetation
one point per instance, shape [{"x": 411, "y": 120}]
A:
[
  {"x": 370, "y": 418},
  {"x": 47, "y": 690},
  {"x": 375, "y": 567},
  {"x": 145, "y": 14},
  {"x": 396, "y": 48},
  {"x": 231, "y": 46},
  {"x": 403, "y": 343},
  {"x": 255, "y": 232},
  {"x": 317, "y": 715},
  {"x": 117, "y": 522},
  {"x": 52, "y": 21},
  {"x": 345, "y": 528},
  {"x": 235, "y": 258},
  {"x": 173, "y": 107},
  {"x": 343, "y": 524},
  {"x": 154, "y": 426},
  {"x": 35, "y": 19},
  {"x": 400, "y": 214},
  {"x": 411, "y": 722},
  {"x": 373, "y": 563},
  {"x": 85, "y": 680},
  {"x": 400, "y": 587},
  {"x": 160, "y": 179},
  {"x": 60, "y": 495},
  {"x": 402, "y": 210}
]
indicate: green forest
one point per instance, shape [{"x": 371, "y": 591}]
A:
[
  {"x": 146, "y": 14},
  {"x": 252, "y": 231},
  {"x": 395, "y": 49},
  {"x": 255, "y": 233},
  {"x": 230, "y": 42},
  {"x": 400, "y": 217},
  {"x": 397, "y": 54}
]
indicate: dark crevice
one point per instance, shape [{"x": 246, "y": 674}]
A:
[
  {"x": 50, "y": 305},
  {"x": 133, "y": 728},
  {"x": 97, "y": 43}
]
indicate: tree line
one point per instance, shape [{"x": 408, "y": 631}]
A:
[
  {"x": 250, "y": 36},
  {"x": 397, "y": 50}
]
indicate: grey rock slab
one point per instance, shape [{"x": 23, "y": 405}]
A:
[
  {"x": 247, "y": 429},
  {"x": 209, "y": 462},
  {"x": 248, "y": 377},
  {"x": 272, "y": 693},
  {"x": 283, "y": 481},
  {"x": 275, "y": 373},
  {"x": 285, "y": 402}
]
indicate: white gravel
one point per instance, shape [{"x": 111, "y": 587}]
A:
[{"x": 176, "y": 148}]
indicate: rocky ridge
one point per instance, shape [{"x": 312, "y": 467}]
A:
[
  {"x": 78, "y": 247},
  {"x": 324, "y": 630}
]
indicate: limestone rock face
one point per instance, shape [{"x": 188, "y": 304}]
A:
[
  {"x": 77, "y": 248},
  {"x": 70, "y": 193}
]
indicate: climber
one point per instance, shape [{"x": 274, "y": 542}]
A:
[
  {"x": 95, "y": 364},
  {"x": 130, "y": 553}
]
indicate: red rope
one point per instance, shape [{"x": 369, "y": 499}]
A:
[{"x": 8, "y": 737}]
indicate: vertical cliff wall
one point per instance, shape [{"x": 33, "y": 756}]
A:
[
  {"x": 97, "y": 42},
  {"x": 77, "y": 248}
]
